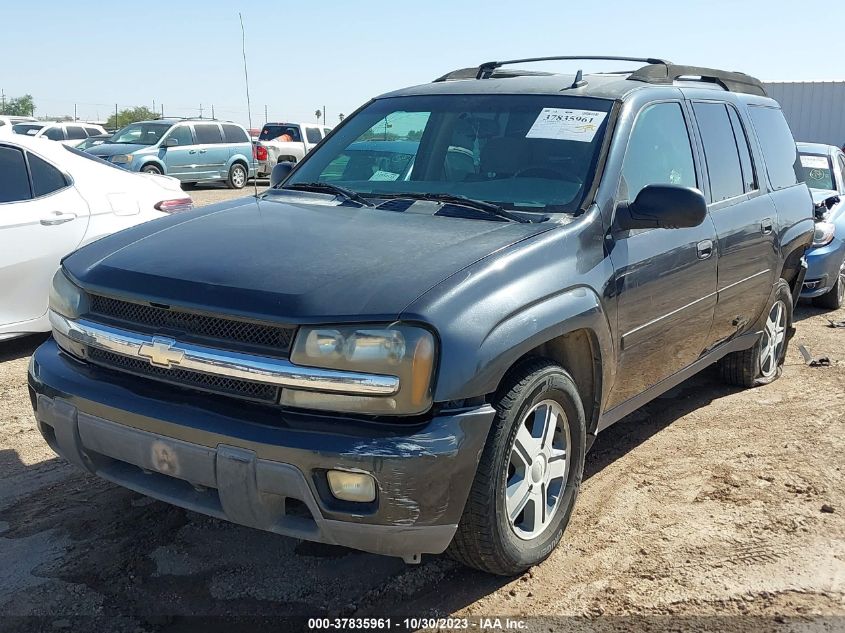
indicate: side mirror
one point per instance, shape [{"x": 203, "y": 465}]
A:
[
  {"x": 280, "y": 172},
  {"x": 171, "y": 142},
  {"x": 662, "y": 207}
]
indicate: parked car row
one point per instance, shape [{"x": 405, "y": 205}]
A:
[
  {"x": 67, "y": 132},
  {"x": 408, "y": 343}
]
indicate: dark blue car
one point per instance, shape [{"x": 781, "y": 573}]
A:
[{"x": 824, "y": 172}]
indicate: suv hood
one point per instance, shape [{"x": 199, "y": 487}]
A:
[
  {"x": 110, "y": 149},
  {"x": 290, "y": 262}
]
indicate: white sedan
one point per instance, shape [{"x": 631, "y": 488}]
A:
[{"x": 54, "y": 199}]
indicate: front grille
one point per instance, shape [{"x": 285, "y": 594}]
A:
[
  {"x": 267, "y": 339},
  {"x": 186, "y": 378}
]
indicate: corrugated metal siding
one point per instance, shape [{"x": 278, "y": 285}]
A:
[{"x": 815, "y": 110}]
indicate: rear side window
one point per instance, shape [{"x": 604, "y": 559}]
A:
[
  {"x": 92, "y": 131},
  {"x": 275, "y": 132},
  {"x": 779, "y": 149},
  {"x": 75, "y": 132},
  {"x": 14, "y": 185},
  {"x": 720, "y": 151},
  {"x": 749, "y": 177},
  {"x": 313, "y": 135},
  {"x": 207, "y": 133},
  {"x": 235, "y": 134},
  {"x": 45, "y": 178},
  {"x": 55, "y": 134},
  {"x": 659, "y": 151}
]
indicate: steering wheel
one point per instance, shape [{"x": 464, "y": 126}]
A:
[{"x": 546, "y": 172}]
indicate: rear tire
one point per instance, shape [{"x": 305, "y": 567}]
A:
[
  {"x": 529, "y": 473},
  {"x": 763, "y": 363},
  {"x": 151, "y": 169},
  {"x": 237, "y": 177},
  {"x": 834, "y": 298}
]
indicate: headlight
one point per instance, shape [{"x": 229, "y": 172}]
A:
[
  {"x": 122, "y": 158},
  {"x": 396, "y": 350},
  {"x": 66, "y": 298},
  {"x": 824, "y": 233}
]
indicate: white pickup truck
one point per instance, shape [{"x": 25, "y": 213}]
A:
[{"x": 280, "y": 142}]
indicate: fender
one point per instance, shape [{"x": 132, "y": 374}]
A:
[
  {"x": 517, "y": 334},
  {"x": 240, "y": 158}
]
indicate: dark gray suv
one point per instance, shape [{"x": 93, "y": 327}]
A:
[{"x": 408, "y": 344}]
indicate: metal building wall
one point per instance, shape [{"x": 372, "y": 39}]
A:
[{"x": 815, "y": 110}]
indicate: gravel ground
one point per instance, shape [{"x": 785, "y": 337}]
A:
[{"x": 721, "y": 507}]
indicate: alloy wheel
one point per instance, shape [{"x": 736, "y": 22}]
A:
[
  {"x": 774, "y": 337},
  {"x": 238, "y": 177},
  {"x": 537, "y": 469}
]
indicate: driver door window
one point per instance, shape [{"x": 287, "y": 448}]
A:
[
  {"x": 182, "y": 134},
  {"x": 659, "y": 151}
]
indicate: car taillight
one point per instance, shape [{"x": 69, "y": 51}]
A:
[
  {"x": 260, "y": 152},
  {"x": 177, "y": 205}
]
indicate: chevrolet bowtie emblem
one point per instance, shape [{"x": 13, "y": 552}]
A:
[{"x": 160, "y": 352}]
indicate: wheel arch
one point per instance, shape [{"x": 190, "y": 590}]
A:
[{"x": 153, "y": 161}]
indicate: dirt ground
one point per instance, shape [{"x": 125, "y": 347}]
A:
[{"x": 711, "y": 508}]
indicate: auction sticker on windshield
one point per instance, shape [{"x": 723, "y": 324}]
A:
[
  {"x": 813, "y": 162},
  {"x": 567, "y": 125}
]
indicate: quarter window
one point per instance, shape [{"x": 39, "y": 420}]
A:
[
  {"x": 45, "y": 178},
  {"x": 234, "y": 133},
  {"x": 659, "y": 151},
  {"x": 313, "y": 135},
  {"x": 14, "y": 185},
  {"x": 720, "y": 151},
  {"x": 841, "y": 173},
  {"x": 779, "y": 150},
  {"x": 91, "y": 131},
  {"x": 208, "y": 133}
]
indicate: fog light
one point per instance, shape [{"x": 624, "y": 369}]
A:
[{"x": 348, "y": 486}]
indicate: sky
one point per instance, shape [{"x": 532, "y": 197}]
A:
[{"x": 186, "y": 54}]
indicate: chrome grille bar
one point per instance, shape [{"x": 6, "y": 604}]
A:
[{"x": 163, "y": 352}]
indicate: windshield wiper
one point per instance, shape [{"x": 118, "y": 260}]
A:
[
  {"x": 325, "y": 187},
  {"x": 472, "y": 203}
]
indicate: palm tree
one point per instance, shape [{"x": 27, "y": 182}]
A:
[
  {"x": 318, "y": 114},
  {"x": 341, "y": 116}
]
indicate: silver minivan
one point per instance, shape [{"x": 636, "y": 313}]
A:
[{"x": 192, "y": 150}]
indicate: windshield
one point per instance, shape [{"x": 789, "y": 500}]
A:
[
  {"x": 30, "y": 129},
  {"x": 818, "y": 173},
  {"x": 141, "y": 133},
  {"x": 522, "y": 152}
]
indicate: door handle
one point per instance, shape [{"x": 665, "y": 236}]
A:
[
  {"x": 203, "y": 151},
  {"x": 193, "y": 151},
  {"x": 705, "y": 249},
  {"x": 57, "y": 218},
  {"x": 766, "y": 226}
]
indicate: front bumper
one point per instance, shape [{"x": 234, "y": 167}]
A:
[
  {"x": 256, "y": 465},
  {"x": 823, "y": 265}
]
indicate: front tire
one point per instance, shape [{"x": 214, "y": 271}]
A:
[
  {"x": 763, "y": 363},
  {"x": 529, "y": 473},
  {"x": 151, "y": 169},
  {"x": 834, "y": 298},
  {"x": 237, "y": 177}
]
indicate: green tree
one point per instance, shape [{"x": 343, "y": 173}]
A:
[
  {"x": 318, "y": 114},
  {"x": 130, "y": 115},
  {"x": 20, "y": 106}
]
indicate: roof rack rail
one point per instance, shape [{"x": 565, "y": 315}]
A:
[
  {"x": 486, "y": 69},
  {"x": 667, "y": 73}
]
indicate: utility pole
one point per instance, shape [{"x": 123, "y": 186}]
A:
[
  {"x": 74, "y": 113},
  {"x": 200, "y": 110},
  {"x": 3, "y": 97},
  {"x": 212, "y": 111},
  {"x": 324, "y": 115},
  {"x": 115, "y": 116},
  {"x": 154, "y": 105},
  {"x": 265, "y": 110},
  {"x": 162, "y": 110}
]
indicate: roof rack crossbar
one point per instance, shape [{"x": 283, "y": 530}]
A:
[
  {"x": 669, "y": 73},
  {"x": 486, "y": 69}
]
